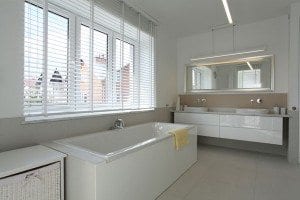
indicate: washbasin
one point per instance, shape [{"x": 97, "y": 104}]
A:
[
  {"x": 196, "y": 109},
  {"x": 252, "y": 111}
]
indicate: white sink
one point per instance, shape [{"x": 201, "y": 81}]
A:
[
  {"x": 252, "y": 111},
  {"x": 196, "y": 109}
]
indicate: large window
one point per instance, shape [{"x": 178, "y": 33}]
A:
[{"x": 87, "y": 56}]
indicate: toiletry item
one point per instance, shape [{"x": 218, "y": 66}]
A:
[
  {"x": 178, "y": 104},
  {"x": 181, "y": 107},
  {"x": 283, "y": 111},
  {"x": 184, "y": 107},
  {"x": 276, "y": 110}
]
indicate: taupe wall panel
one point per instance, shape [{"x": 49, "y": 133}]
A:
[{"x": 237, "y": 100}]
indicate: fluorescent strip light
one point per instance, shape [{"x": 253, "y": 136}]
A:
[
  {"x": 229, "y": 54},
  {"x": 249, "y": 65},
  {"x": 226, "y": 7}
]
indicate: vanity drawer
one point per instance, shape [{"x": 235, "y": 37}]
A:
[
  {"x": 196, "y": 118},
  {"x": 208, "y": 130},
  {"x": 251, "y": 135},
  {"x": 252, "y": 122}
]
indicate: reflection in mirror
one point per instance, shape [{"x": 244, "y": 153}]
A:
[{"x": 253, "y": 73}]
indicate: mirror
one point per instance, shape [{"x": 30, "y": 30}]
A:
[{"x": 243, "y": 74}]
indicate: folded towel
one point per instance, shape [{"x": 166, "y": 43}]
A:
[{"x": 181, "y": 137}]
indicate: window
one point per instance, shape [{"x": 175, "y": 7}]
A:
[
  {"x": 87, "y": 56},
  {"x": 249, "y": 78}
]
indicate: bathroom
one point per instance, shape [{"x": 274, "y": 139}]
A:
[{"x": 131, "y": 66}]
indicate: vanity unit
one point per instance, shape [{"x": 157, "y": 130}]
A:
[{"x": 262, "y": 128}]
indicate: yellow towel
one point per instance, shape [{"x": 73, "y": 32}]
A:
[{"x": 181, "y": 137}]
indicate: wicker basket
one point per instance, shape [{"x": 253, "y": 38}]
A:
[{"x": 39, "y": 184}]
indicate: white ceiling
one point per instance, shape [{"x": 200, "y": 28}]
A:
[{"x": 187, "y": 17}]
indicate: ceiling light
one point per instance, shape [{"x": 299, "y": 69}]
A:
[
  {"x": 226, "y": 7},
  {"x": 249, "y": 65}
]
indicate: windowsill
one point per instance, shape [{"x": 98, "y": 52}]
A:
[{"x": 62, "y": 117}]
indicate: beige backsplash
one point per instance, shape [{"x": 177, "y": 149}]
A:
[{"x": 269, "y": 100}]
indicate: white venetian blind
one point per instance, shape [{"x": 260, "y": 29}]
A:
[{"x": 87, "y": 56}]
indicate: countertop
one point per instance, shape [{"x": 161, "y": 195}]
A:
[
  {"x": 233, "y": 113},
  {"x": 20, "y": 160}
]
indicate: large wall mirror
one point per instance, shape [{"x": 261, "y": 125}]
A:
[{"x": 243, "y": 74}]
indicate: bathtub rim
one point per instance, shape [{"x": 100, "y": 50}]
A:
[{"x": 96, "y": 157}]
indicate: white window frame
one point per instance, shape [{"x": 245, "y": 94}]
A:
[
  {"x": 85, "y": 22},
  {"x": 74, "y": 34},
  {"x": 71, "y": 41},
  {"x": 135, "y": 61}
]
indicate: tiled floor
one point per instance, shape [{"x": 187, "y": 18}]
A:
[{"x": 227, "y": 174}]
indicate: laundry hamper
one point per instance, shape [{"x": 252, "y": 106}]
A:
[
  {"x": 39, "y": 184},
  {"x": 39, "y": 178}
]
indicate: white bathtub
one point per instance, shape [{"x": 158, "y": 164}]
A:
[{"x": 135, "y": 163}]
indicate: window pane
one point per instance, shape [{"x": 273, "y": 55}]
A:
[
  {"x": 58, "y": 33},
  {"x": 33, "y": 59},
  {"x": 83, "y": 76},
  {"x": 100, "y": 70},
  {"x": 124, "y": 74}
]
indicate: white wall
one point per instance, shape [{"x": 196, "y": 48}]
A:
[
  {"x": 273, "y": 33},
  {"x": 166, "y": 69},
  {"x": 11, "y": 57},
  {"x": 11, "y": 62},
  {"x": 294, "y": 74}
]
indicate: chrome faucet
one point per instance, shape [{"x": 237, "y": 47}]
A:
[
  {"x": 203, "y": 101},
  {"x": 119, "y": 124}
]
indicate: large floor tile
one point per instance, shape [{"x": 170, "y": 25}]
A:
[
  {"x": 188, "y": 180},
  {"x": 218, "y": 190},
  {"x": 228, "y": 174},
  {"x": 277, "y": 166},
  {"x": 166, "y": 196},
  {"x": 268, "y": 187}
]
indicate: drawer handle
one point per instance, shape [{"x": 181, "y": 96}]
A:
[{"x": 31, "y": 176}]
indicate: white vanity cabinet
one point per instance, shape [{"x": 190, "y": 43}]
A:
[
  {"x": 252, "y": 128},
  {"x": 207, "y": 124},
  {"x": 33, "y": 173}
]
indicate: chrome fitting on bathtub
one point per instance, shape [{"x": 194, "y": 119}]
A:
[{"x": 119, "y": 124}]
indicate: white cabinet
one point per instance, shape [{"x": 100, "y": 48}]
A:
[
  {"x": 253, "y": 122},
  {"x": 207, "y": 124},
  {"x": 263, "y": 129},
  {"x": 252, "y": 128},
  {"x": 33, "y": 173}
]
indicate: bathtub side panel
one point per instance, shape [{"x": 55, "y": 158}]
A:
[
  {"x": 80, "y": 179},
  {"x": 146, "y": 173}
]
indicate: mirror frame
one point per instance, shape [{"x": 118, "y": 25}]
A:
[{"x": 238, "y": 90}]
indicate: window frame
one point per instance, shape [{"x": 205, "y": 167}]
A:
[
  {"x": 74, "y": 34},
  {"x": 71, "y": 40},
  {"x": 136, "y": 68},
  {"x": 81, "y": 21}
]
